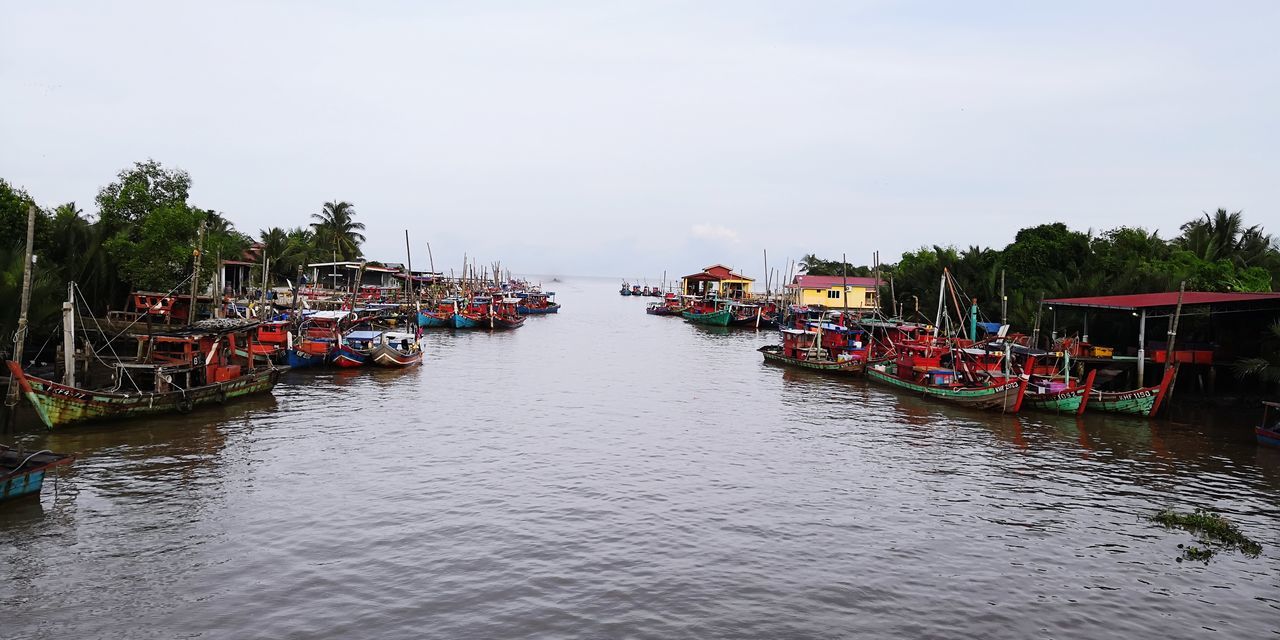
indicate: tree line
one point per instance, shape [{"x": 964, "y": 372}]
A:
[
  {"x": 1212, "y": 252},
  {"x": 142, "y": 237}
]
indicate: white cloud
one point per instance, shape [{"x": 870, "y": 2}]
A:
[{"x": 715, "y": 232}]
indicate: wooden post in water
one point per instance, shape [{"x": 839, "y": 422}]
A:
[
  {"x": 1142, "y": 347},
  {"x": 1173, "y": 336},
  {"x": 69, "y": 337}
]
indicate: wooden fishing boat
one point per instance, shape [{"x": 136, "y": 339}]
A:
[
  {"x": 355, "y": 348},
  {"x": 1268, "y": 433},
  {"x": 537, "y": 302},
  {"x": 803, "y": 348},
  {"x": 504, "y": 314},
  {"x": 1145, "y": 401},
  {"x": 1072, "y": 397},
  {"x": 433, "y": 319},
  {"x": 1001, "y": 394},
  {"x": 22, "y": 472},
  {"x": 718, "y": 318},
  {"x": 626, "y": 291},
  {"x": 660, "y": 309},
  {"x": 176, "y": 373},
  {"x": 396, "y": 350}
]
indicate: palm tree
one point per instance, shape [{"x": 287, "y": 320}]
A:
[
  {"x": 1223, "y": 236},
  {"x": 336, "y": 230},
  {"x": 1265, "y": 367},
  {"x": 275, "y": 243}
]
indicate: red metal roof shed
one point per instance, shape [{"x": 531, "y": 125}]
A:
[{"x": 1140, "y": 301}]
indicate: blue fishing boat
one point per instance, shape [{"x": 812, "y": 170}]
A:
[
  {"x": 297, "y": 358},
  {"x": 434, "y": 319},
  {"x": 1269, "y": 431},
  {"x": 536, "y": 302},
  {"x": 22, "y": 472}
]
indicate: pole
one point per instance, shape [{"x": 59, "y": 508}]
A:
[
  {"x": 20, "y": 336},
  {"x": 942, "y": 288},
  {"x": 408, "y": 257},
  {"x": 1142, "y": 350},
  {"x": 1004, "y": 302},
  {"x": 1035, "y": 331},
  {"x": 69, "y": 337},
  {"x": 195, "y": 275},
  {"x": 1173, "y": 336},
  {"x": 844, "y": 287}
]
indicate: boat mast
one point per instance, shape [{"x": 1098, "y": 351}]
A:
[
  {"x": 20, "y": 336},
  {"x": 1004, "y": 303},
  {"x": 195, "y": 275}
]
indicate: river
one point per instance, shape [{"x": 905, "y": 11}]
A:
[{"x": 603, "y": 473}]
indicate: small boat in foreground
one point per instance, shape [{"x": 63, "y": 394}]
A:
[
  {"x": 1000, "y": 394},
  {"x": 396, "y": 349},
  {"x": 22, "y": 472},
  {"x": 1268, "y": 433},
  {"x": 177, "y": 373}
]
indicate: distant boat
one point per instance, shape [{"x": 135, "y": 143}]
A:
[
  {"x": 22, "y": 472},
  {"x": 626, "y": 290},
  {"x": 719, "y": 318},
  {"x": 804, "y": 348}
]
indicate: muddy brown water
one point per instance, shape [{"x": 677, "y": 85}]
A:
[{"x": 607, "y": 474}]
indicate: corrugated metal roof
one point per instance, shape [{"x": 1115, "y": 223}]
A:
[{"x": 1136, "y": 301}]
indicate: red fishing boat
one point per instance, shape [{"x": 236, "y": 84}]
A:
[{"x": 506, "y": 314}]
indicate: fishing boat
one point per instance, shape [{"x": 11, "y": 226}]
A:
[
  {"x": 803, "y": 348},
  {"x": 1144, "y": 401},
  {"x": 626, "y": 290},
  {"x": 22, "y": 472},
  {"x": 660, "y": 309},
  {"x": 396, "y": 349},
  {"x": 505, "y": 314},
  {"x": 538, "y": 302},
  {"x": 942, "y": 371},
  {"x": 1268, "y": 433},
  {"x": 434, "y": 318},
  {"x": 717, "y": 318},
  {"x": 174, "y": 373},
  {"x": 636, "y": 291},
  {"x": 354, "y": 349},
  {"x": 474, "y": 314},
  {"x": 1048, "y": 394}
]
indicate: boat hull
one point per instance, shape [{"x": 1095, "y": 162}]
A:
[
  {"x": 503, "y": 323},
  {"x": 386, "y": 356},
  {"x": 715, "y": 318},
  {"x": 1138, "y": 402},
  {"x": 1267, "y": 438},
  {"x": 298, "y": 359},
  {"x": 773, "y": 353},
  {"x": 1005, "y": 397},
  {"x": 1069, "y": 401},
  {"x": 528, "y": 311},
  {"x": 22, "y": 473},
  {"x": 348, "y": 358},
  {"x": 432, "y": 320},
  {"x": 463, "y": 322},
  {"x": 59, "y": 405}
]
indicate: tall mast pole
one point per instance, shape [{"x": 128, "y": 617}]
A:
[
  {"x": 844, "y": 287},
  {"x": 195, "y": 275},
  {"x": 20, "y": 336}
]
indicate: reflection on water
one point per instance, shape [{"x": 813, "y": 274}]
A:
[{"x": 606, "y": 473}]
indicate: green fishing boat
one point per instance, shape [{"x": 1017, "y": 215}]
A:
[
  {"x": 1145, "y": 401},
  {"x": 719, "y": 318},
  {"x": 1002, "y": 394},
  {"x": 1073, "y": 399}
]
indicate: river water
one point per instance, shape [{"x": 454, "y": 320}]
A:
[{"x": 607, "y": 474}]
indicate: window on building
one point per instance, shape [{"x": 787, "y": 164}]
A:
[
  {"x": 870, "y": 299},
  {"x": 833, "y": 293}
]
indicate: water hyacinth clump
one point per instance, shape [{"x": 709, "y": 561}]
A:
[{"x": 1213, "y": 533}]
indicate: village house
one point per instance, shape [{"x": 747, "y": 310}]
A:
[{"x": 833, "y": 291}]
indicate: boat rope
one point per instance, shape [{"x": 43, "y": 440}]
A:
[
  {"x": 28, "y": 459},
  {"x": 96, "y": 352}
]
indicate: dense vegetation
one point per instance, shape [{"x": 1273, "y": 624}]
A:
[
  {"x": 143, "y": 237},
  {"x": 1214, "y": 252}
]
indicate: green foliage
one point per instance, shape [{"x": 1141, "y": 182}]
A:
[
  {"x": 336, "y": 230},
  {"x": 1214, "y": 253},
  {"x": 1265, "y": 367},
  {"x": 815, "y": 266},
  {"x": 1213, "y": 534},
  {"x": 155, "y": 254}
]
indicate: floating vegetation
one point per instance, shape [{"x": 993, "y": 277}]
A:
[{"x": 1213, "y": 533}]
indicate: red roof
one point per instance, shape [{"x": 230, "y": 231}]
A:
[
  {"x": 827, "y": 282},
  {"x": 716, "y": 273},
  {"x": 1137, "y": 301}
]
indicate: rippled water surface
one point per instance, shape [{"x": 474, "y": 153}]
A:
[{"x": 607, "y": 474}]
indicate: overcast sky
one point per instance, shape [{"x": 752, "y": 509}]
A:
[{"x": 607, "y": 138}]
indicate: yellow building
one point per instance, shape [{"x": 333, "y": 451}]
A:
[
  {"x": 717, "y": 279},
  {"x": 831, "y": 292}
]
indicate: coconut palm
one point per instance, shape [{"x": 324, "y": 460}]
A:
[
  {"x": 1223, "y": 236},
  {"x": 336, "y": 230}
]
